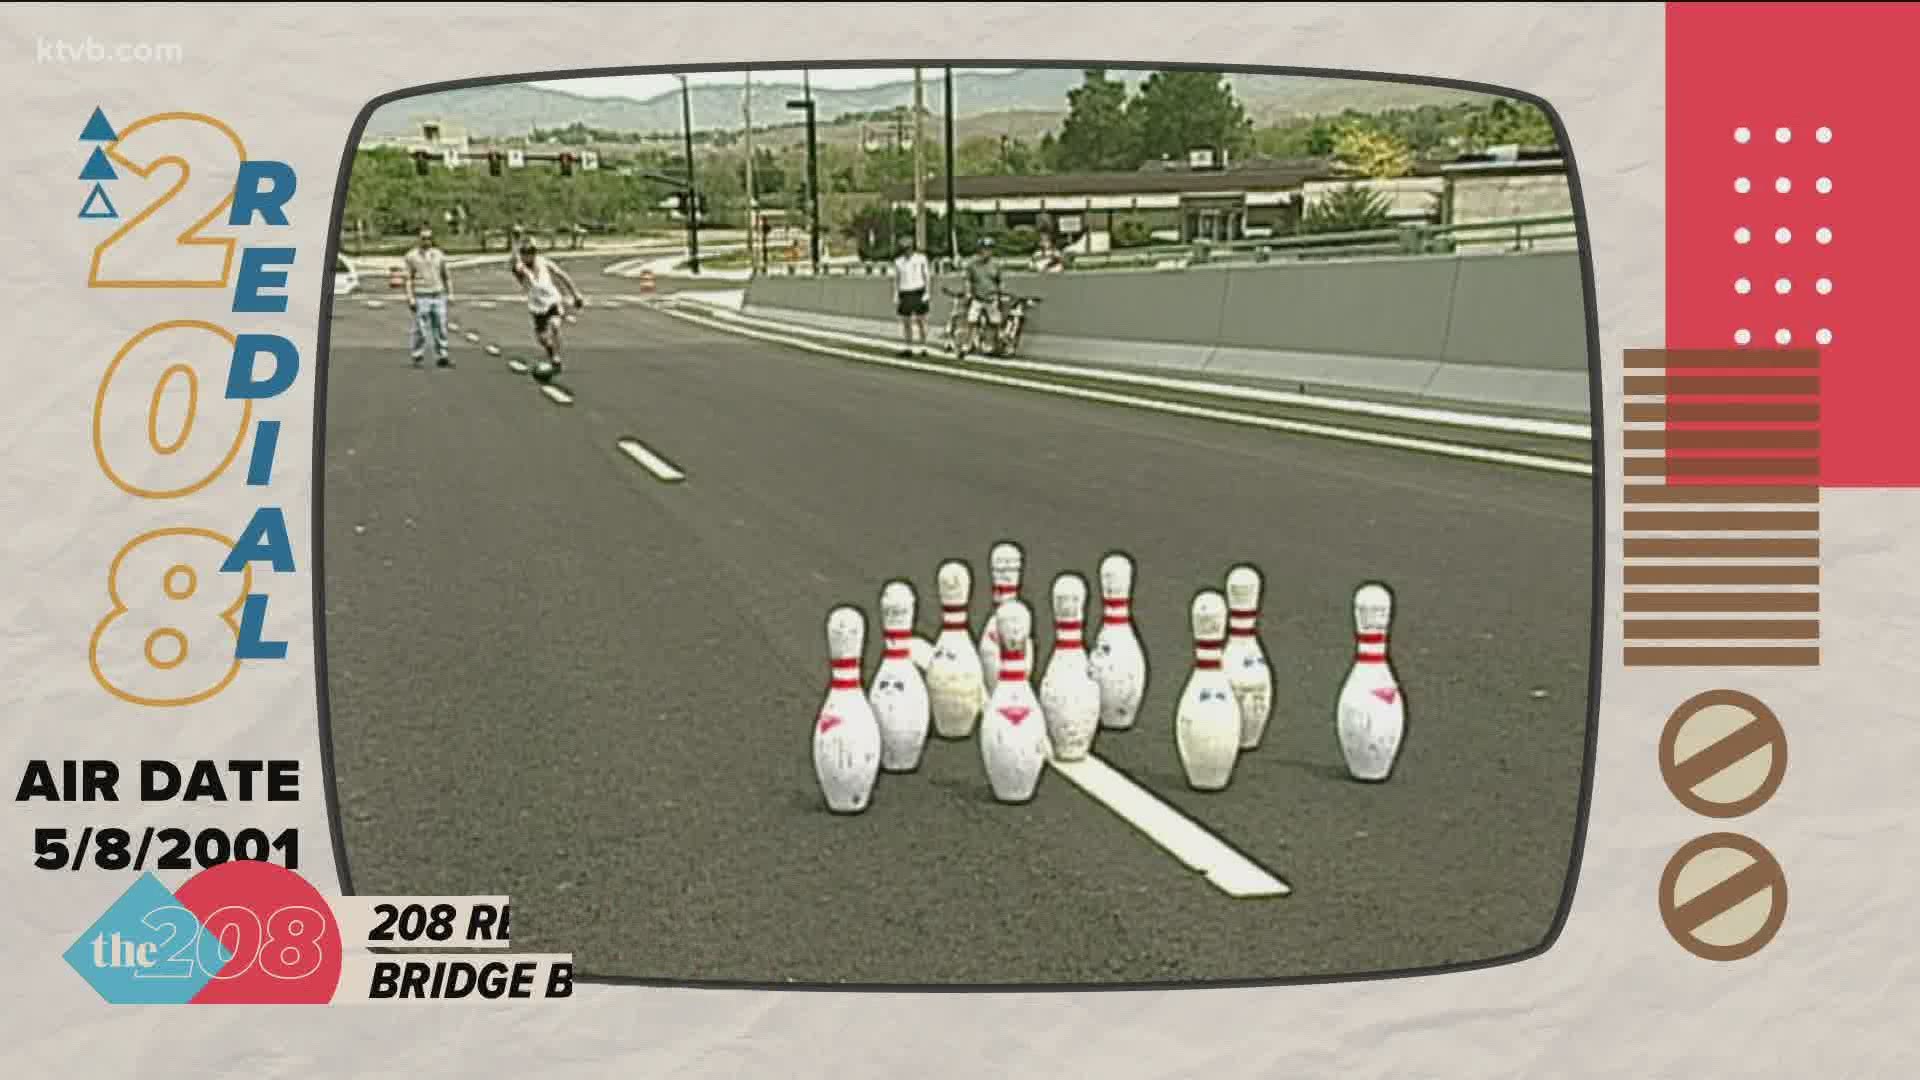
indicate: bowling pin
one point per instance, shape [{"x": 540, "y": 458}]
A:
[
  {"x": 1068, "y": 695},
  {"x": 1245, "y": 660},
  {"x": 899, "y": 694},
  {"x": 1013, "y": 731},
  {"x": 846, "y": 738},
  {"x": 1005, "y": 563},
  {"x": 954, "y": 682},
  {"x": 1119, "y": 664},
  {"x": 1206, "y": 726},
  {"x": 1372, "y": 711}
]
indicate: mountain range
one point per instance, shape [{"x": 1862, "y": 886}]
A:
[{"x": 513, "y": 109}]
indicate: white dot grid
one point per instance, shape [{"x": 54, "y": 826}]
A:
[{"x": 1783, "y": 235}]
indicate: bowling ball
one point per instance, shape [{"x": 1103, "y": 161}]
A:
[{"x": 543, "y": 371}]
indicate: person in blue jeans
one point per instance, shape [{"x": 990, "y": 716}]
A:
[{"x": 429, "y": 290}]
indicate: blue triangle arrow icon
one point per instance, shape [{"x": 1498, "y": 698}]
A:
[
  {"x": 98, "y": 130},
  {"x": 99, "y": 197},
  {"x": 98, "y": 167}
]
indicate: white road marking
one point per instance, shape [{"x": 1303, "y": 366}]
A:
[
  {"x": 493, "y": 350},
  {"x": 558, "y": 396},
  {"x": 518, "y": 367},
  {"x": 454, "y": 327},
  {"x": 1513, "y": 425},
  {"x": 473, "y": 337},
  {"x": 662, "y": 469},
  {"x": 1185, "y": 839},
  {"x": 374, "y": 305},
  {"x": 1568, "y": 466},
  {"x": 486, "y": 305}
]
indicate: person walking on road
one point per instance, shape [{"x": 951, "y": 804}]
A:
[
  {"x": 911, "y": 276},
  {"x": 429, "y": 291}
]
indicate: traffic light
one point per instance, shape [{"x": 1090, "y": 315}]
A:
[
  {"x": 420, "y": 163},
  {"x": 566, "y": 164},
  {"x": 494, "y": 163}
]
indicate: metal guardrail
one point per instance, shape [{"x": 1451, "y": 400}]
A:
[{"x": 1511, "y": 234}]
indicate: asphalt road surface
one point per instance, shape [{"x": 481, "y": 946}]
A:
[{"x": 556, "y": 677}]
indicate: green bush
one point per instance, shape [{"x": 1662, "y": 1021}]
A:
[
  {"x": 1348, "y": 209},
  {"x": 1132, "y": 232}
]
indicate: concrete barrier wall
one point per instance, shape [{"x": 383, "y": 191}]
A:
[{"x": 1503, "y": 331}]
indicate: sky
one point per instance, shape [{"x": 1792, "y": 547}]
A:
[{"x": 642, "y": 87}]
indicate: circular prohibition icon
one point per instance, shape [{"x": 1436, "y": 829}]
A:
[
  {"x": 1723, "y": 754},
  {"x": 1723, "y": 897}
]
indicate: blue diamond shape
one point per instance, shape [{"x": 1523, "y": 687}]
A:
[{"x": 147, "y": 949}]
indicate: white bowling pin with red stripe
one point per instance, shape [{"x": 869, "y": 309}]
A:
[
  {"x": 955, "y": 686},
  {"x": 1372, "y": 710},
  {"x": 1068, "y": 695},
  {"x": 1245, "y": 660},
  {"x": 1206, "y": 726},
  {"x": 898, "y": 694},
  {"x": 846, "y": 737},
  {"x": 1005, "y": 563},
  {"x": 1119, "y": 664},
  {"x": 1013, "y": 731}
]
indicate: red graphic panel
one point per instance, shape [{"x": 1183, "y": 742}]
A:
[{"x": 1789, "y": 219}]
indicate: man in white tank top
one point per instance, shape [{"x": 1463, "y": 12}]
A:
[{"x": 544, "y": 281}]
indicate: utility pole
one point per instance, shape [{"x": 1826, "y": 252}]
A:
[
  {"x": 953, "y": 231},
  {"x": 753, "y": 213},
  {"x": 919, "y": 164},
  {"x": 693, "y": 197},
  {"x": 813, "y": 181}
]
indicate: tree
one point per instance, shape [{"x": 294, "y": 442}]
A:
[
  {"x": 1509, "y": 122},
  {"x": 1096, "y": 134},
  {"x": 1372, "y": 153},
  {"x": 1178, "y": 111},
  {"x": 1347, "y": 209}
]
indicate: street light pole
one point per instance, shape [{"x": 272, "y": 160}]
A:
[
  {"x": 753, "y": 215},
  {"x": 919, "y": 165},
  {"x": 813, "y": 183},
  {"x": 693, "y": 198},
  {"x": 953, "y": 229}
]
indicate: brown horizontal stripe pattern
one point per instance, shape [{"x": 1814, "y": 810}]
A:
[
  {"x": 1705, "y": 466},
  {"x": 1718, "y": 548},
  {"x": 1753, "y": 656},
  {"x": 1702, "y": 493},
  {"x": 1722, "y": 385},
  {"x": 1642, "y": 359},
  {"x": 1741, "y": 412},
  {"x": 1723, "y": 602},
  {"x": 1722, "y": 520},
  {"x": 1721, "y": 575},
  {"x": 1733, "y": 568},
  {"x": 1723, "y": 439},
  {"x": 1722, "y": 629}
]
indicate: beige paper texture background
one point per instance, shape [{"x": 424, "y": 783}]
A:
[{"x": 1616, "y": 997}]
